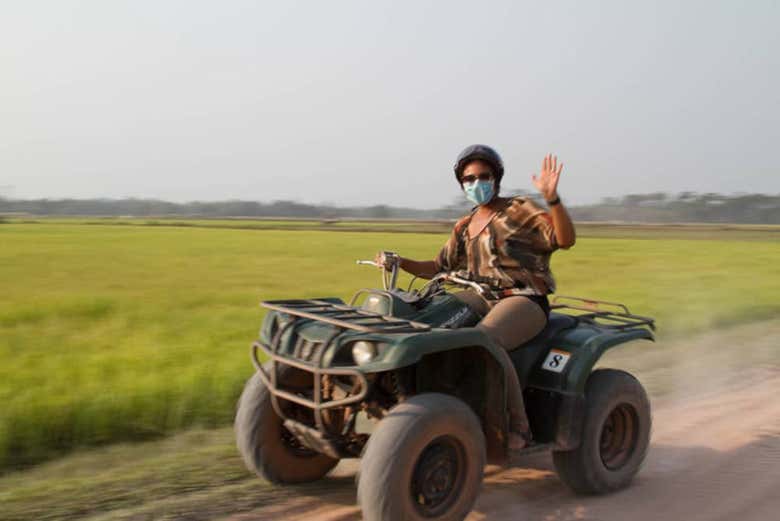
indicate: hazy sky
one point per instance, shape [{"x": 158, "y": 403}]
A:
[{"x": 369, "y": 102}]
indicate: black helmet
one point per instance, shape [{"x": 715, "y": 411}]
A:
[{"x": 483, "y": 152}]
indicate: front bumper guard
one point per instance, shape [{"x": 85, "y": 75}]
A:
[
  {"x": 271, "y": 380},
  {"x": 343, "y": 318},
  {"x": 317, "y": 404}
]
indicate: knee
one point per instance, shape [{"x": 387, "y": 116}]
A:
[
  {"x": 473, "y": 301},
  {"x": 495, "y": 336}
]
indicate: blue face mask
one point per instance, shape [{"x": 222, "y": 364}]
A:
[{"x": 479, "y": 192}]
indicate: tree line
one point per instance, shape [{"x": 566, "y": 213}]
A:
[{"x": 645, "y": 208}]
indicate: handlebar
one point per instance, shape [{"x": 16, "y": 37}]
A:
[
  {"x": 389, "y": 280},
  {"x": 454, "y": 278}
]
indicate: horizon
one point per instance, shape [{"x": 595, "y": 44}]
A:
[{"x": 510, "y": 193}]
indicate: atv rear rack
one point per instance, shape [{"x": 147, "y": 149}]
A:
[
  {"x": 591, "y": 311},
  {"x": 345, "y": 316}
]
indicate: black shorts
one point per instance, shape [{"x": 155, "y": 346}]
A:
[{"x": 542, "y": 301}]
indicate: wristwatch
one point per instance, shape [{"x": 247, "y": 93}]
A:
[{"x": 555, "y": 201}]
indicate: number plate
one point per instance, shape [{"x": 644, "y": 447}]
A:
[{"x": 556, "y": 360}]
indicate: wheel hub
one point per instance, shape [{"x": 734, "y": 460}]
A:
[
  {"x": 437, "y": 476},
  {"x": 618, "y": 436}
]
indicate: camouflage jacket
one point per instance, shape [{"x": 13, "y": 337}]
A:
[{"x": 512, "y": 251}]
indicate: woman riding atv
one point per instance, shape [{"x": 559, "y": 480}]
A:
[{"x": 505, "y": 243}]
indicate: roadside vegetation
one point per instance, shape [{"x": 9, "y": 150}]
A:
[
  {"x": 120, "y": 333},
  {"x": 625, "y": 230},
  {"x": 649, "y": 208}
]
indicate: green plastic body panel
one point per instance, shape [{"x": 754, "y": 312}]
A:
[{"x": 585, "y": 344}]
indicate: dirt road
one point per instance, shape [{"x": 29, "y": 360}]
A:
[{"x": 715, "y": 451}]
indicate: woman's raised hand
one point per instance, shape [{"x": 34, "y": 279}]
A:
[{"x": 547, "y": 181}]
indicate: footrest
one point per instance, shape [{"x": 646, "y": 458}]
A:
[{"x": 516, "y": 458}]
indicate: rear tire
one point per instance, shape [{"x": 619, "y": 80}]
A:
[
  {"x": 615, "y": 436},
  {"x": 424, "y": 461},
  {"x": 268, "y": 449}
]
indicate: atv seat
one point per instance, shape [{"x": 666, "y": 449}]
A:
[{"x": 529, "y": 354}]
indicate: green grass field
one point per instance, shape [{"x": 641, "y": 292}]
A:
[{"x": 112, "y": 333}]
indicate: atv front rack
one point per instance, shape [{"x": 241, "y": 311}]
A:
[
  {"x": 345, "y": 316},
  {"x": 612, "y": 315}
]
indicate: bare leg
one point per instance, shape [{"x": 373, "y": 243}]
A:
[
  {"x": 513, "y": 321},
  {"x": 510, "y": 323},
  {"x": 478, "y": 305}
]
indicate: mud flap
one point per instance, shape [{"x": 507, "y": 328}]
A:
[{"x": 569, "y": 424}]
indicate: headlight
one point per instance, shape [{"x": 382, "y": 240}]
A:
[{"x": 363, "y": 352}]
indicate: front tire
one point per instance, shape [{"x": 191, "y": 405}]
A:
[
  {"x": 615, "y": 436},
  {"x": 268, "y": 449},
  {"x": 424, "y": 461}
]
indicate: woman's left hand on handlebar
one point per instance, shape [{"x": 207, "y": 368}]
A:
[{"x": 383, "y": 260}]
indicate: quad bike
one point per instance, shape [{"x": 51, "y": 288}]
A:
[{"x": 404, "y": 381}]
